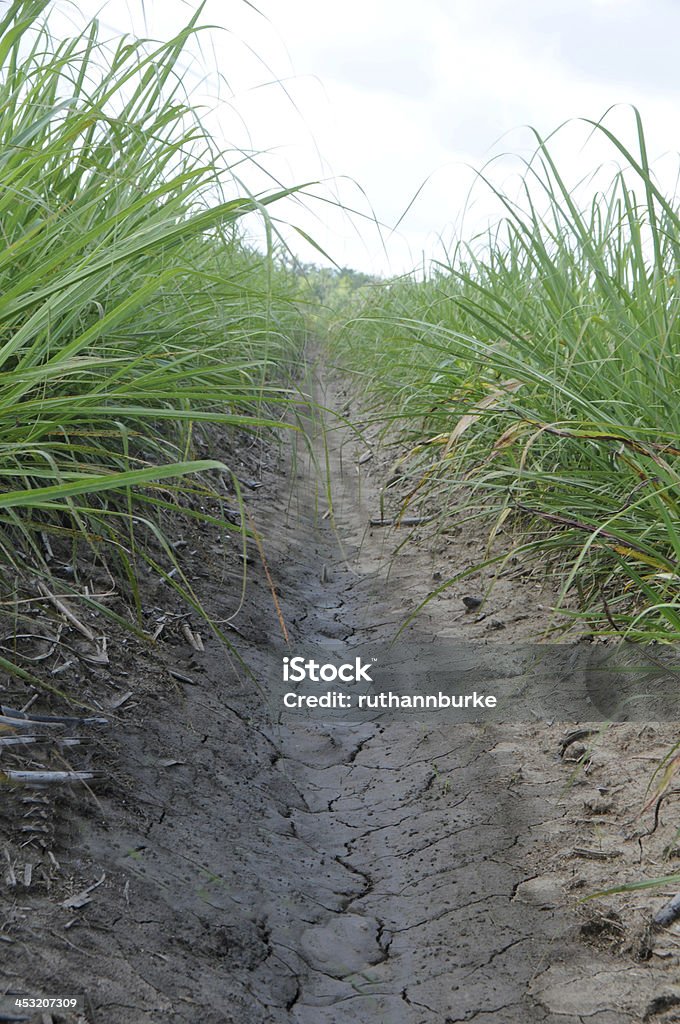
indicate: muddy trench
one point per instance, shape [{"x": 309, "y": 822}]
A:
[{"x": 261, "y": 870}]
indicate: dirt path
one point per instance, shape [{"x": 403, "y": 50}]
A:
[
  {"x": 260, "y": 869},
  {"x": 429, "y": 838}
]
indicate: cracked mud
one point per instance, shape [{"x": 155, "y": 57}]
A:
[{"x": 269, "y": 871}]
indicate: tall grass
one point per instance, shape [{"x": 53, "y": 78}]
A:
[
  {"x": 130, "y": 309},
  {"x": 536, "y": 377}
]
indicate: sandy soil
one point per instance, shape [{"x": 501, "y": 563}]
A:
[{"x": 255, "y": 867}]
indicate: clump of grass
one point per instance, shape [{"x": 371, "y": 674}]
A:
[
  {"x": 536, "y": 377},
  {"x": 131, "y": 312}
]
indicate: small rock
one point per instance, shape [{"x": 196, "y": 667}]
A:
[
  {"x": 472, "y": 602},
  {"x": 574, "y": 752}
]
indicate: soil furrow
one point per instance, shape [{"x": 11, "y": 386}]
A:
[
  {"x": 402, "y": 948},
  {"x": 270, "y": 869}
]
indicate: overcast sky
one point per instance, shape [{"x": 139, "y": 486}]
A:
[{"x": 386, "y": 100}]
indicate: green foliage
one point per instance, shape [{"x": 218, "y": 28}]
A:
[
  {"x": 130, "y": 310},
  {"x": 537, "y": 377},
  {"x": 333, "y": 286}
]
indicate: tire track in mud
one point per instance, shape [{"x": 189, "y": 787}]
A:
[{"x": 426, "y": 839}]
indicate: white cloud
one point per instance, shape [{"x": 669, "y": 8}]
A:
[{"x": 397, "y": 95}]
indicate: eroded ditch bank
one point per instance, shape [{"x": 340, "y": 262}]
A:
[{"x": 262, "y": 869}]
